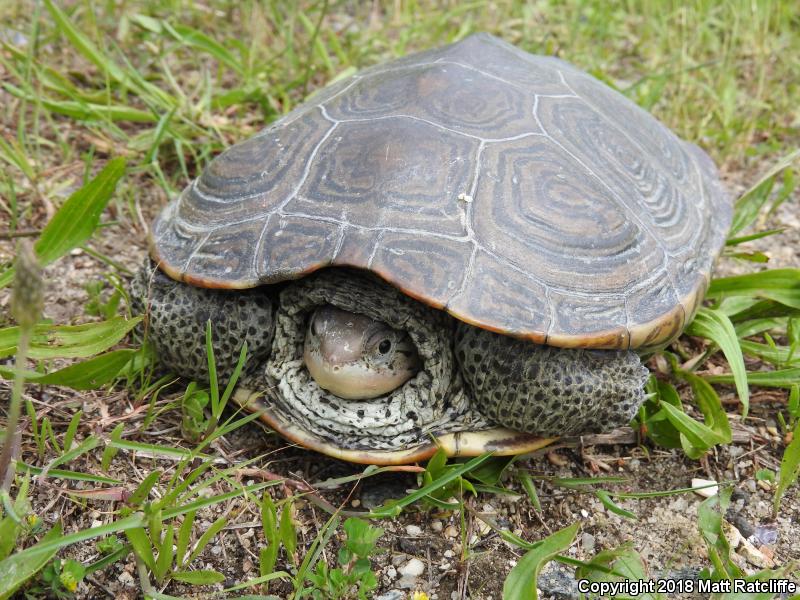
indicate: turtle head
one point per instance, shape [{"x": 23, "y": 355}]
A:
[{"x": 356, "y": 357}]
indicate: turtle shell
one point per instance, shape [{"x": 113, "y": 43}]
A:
[{"x": 514, "y": 191}]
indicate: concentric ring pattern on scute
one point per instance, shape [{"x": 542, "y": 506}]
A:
[{"x": 514, "y": 191}]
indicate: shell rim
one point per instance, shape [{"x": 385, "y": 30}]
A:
[
  {"x": 639, "y": 336},
  {"x": 498, "y": 441}
]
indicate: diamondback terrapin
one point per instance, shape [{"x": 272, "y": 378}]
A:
[{"x": 463, "y": 247}]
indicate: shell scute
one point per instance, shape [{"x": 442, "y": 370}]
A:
[
  {"x": 365, "y": 169},
  {"x": 449, "y": 95}
]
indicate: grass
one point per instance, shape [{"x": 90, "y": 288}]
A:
[{"x": 167, "y": 85}]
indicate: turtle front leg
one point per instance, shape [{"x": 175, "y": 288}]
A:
[
  {"x": 545, "y": 390},
  {"x": 176, "y": 324}
]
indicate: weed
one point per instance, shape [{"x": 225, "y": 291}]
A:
[{"x": 353, "y": 578}]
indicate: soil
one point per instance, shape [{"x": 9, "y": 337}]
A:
[{"x": 460, "y": 556}]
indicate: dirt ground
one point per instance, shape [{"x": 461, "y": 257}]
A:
[{"x": 431, "y": 551}]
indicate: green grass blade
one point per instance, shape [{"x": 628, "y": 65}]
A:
[
  {"x": 77, "y": 218},
  {"x": 138, "y": 539},
  {"x": 90, "y": 443},
  {"x": 782, "y": 356},
  {"x": 200, "y": 41},
  {"x": 105, "y": 64},
  {"x": 237, "y": 371},
  {"x": 165, "y": 554},
  {"x": 58, "y": 542},
  {"x": 750, "y": 203},
  {"x": 153, "y": 449},
  {"x": 201, "y": 577},
  {"x": 85, "y": 111},
  {"x": 287, "y": 530},
  {"x": 521, "y": 581},
  {"x": 83, "y": 44},
  {"x": 207, "y": 536},
  {"x": 17, "y": 569},
  {"x": 530, "y": 489},
  {"x": 717, "y": 327},
  {"x": 86, "y": 375},
  {"x": 68, "y": 475},
  {"x": 779, "y": 285},
  {"x": 143, "y": 490},
  {"x": 68, "y": 341},
  {"x": 696, "y": 437},
  {"x": 184, "y": 534},
  {"x": 790, "y": 468},
  {"x": 393, "y": 508},
  {"x": 72, "y": 428},
  {"x": 212, "y": 373},
  {"x": 780, "y": 378},
  {"x": 14, "y": 155},
  {"x": 607, "y": 501}
]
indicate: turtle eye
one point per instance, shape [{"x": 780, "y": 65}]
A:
[{"x": 385, "y": 346}]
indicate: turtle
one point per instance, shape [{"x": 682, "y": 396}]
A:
[{"x": 469, "y": 248}]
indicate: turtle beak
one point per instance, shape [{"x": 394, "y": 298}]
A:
[{"x": 336, "y": 336}]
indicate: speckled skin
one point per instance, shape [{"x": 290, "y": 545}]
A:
[
  {"x": 546, "y": 390},
  {"x": 176, "y": 324},
  {"x": 471, "y": 379}
]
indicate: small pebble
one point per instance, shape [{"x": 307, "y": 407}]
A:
[
  {"x": 392, "y": 595},
  {"x": 484, "y": 528},
  {"x": 735, "y": 451},
  {"x": 247, "y": 565},
  {"x": 216, "y": 550},
  {"x": 587, "y": 541},
  {"x": 437, "y": 526},
  {"x": 451, "y": 531},
  {"x": 740, "y": 494},
  {"x": 766, "y": 534},
  {"x": 732, "y": 534},
  {"x": 125, "y": 578},
  {"x": 448, "y": 554},
  {"x": 355, "y": 503},
  {"x": 398, "y": 558},
  {"x": 754, "y": 556},
  {"x": 413, "y": 568},
  {"x": 743, "y": 525},
  {"x": 413, "y": 530},
  {"x": 705, "y": 492},
  {"x": 391, "y": 572}
]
